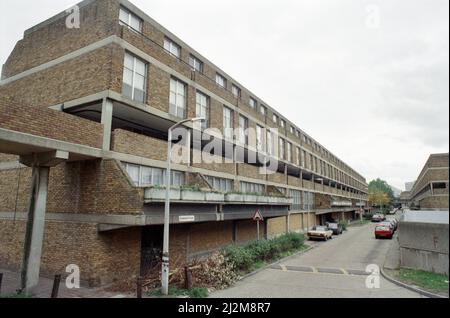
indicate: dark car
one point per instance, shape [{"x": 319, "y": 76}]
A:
[{"x": 335, "y": 227}]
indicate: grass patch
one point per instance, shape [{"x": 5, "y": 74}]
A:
[
  {"x": 178, "y": 292},
  {"x": 426, "y": 280},
  {"x": 255, "y": 255}
]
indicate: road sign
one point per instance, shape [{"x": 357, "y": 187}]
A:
[{"x": 258, "y": 216}]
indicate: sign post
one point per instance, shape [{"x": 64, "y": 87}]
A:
[{"x": 258, "y": 218}]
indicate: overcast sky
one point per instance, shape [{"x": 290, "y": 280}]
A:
[{"x": 367, "y": 79}]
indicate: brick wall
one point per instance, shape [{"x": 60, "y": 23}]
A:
[
  {"x": 102, "y": 258},
  {"x": 295, "y": 223},
  {"x": 79, "y": 187},
  {"x": 210, "y": 236},
  {"x": 276, "y": 226},
  {"x": 85, "y": 75},
  {"x": 49, "y": 123},
  {"x": 98, "y": 21}
]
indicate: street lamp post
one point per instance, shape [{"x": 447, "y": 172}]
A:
[{"x": 165, "y": 256}]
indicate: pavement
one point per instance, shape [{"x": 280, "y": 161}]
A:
[
  {"x": 11, "y": 282},
  {"x": 333, "y": 269}
]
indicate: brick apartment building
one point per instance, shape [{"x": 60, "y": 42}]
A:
[
  {"x": 430, "y": 191},
  {"x": 94, "y": 104}
]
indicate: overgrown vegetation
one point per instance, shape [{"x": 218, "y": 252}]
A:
[
  {"x": 344, "y": 225},
  {"x": 222, "y": 269},
  {"x": 244, "y": 258},
  {"x": 174, "y": 291},
  {"x": 426, "y": 280}
]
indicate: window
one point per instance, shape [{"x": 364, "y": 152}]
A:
[
  {"x": 247, "y": 187},
  {"x": 228, "y": 122},
  {"x": 298, "y": 157},
  {"x": 270, "y": 143},
  {"x": 146, "y": 176},
  {"x": 243, "y": 126},
  {"x": 292, "y": 130},
  {"x": 221, "y": 81},
  {"x": 220, "y": 184},
  {"x": 259, "y": 138},
  {"x": 275, "y": 118},
  {"x": 177, "y": 103},
  {"x": 130, "y": 20},
  {"x": 253, "y": 103},
  {"x": 171, "y": 47},
  {"x": 303, "y": 159},
  {"x": 236, "y": 91},
  {"x": 304, "y": 139},
  {"x": 297, "y": 198},
  {"x": 282, "y": 123},
  {"x": 282, "y": 153},
  {"x": 308, "y": 201},
  {"x": 134, "y": 78},
  {"x": 289, "y": 151},
  {"x": 202, "y": 108},
  {"x": 196, "y": 64},
  {"x": 297, "y": 133},
  {"x": 263, "y": 110}
]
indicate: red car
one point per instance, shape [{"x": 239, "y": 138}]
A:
[{"x": 384, "y": 231}]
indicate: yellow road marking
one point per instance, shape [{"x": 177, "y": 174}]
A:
[
  {"x": 283, "y": 268},
  {"x": 344, "y": 271}
]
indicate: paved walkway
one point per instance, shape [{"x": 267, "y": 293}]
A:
[
  {"x": 11, "y": 282},
  {"x": 333, "y": 269}
]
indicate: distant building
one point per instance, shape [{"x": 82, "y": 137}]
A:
[
  {"x": 430, "y": 191},
  {"x": 409, "y": 185}
]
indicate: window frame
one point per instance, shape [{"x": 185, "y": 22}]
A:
[
  {"x": 133, "y": 79},
  {"x": 236, "y": 91},
  {"x": 130, "y": 15},
  {"x": 254, "y": 102},
  {"x": 177, "y": 94},
  {"x": 221, "y": 78},
  {"x": 171, "y": 44},
  {"x": 228, "y": 130},
  {"x": 199, "y": 106},
  {"x": 196, "y": 61}
]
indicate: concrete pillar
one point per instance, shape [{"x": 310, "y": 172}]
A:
[
  {"x": 107, "y": 114},
  {"x": 34, "y": 235},
  {"x": 288, "y": 222},
  {"x": 35, "y": 229}
]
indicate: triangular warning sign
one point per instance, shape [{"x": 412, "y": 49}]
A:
[{"x": 258, "y": 216}]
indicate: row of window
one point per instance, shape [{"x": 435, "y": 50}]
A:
[
  {"x": 135, "y": 71},
  {"x": 248, "y": 187},
  {"x": 220, "y": 184},
  {"x": 135, "y": 79},
  {"x": 146, "y": 176}
]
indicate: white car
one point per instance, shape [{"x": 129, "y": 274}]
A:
[{"x": 320, "y": 232}]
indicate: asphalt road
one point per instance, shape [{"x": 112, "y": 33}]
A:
[{"x": 333, "y": 269}]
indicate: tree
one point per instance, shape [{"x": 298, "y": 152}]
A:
[
  {"x": 382, "y": 186},
  {"x": 379, "y": 198}
]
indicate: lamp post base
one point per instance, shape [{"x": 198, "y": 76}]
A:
[{"x": 165, "y": 277}]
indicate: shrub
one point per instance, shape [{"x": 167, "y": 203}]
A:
[
  {"x": 244, "y": 257},
  {"x": 344, "y": 225}
]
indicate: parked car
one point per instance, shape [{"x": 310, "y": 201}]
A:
[
  {"x": 378, "y": 218},
  {"x": 320, "y": 232},
  {"x": 395, "y": 222},
  {"x": 335, "y": 227},
  {"x": 384, "y": 231},
  {"x": 388, "y": 223}
]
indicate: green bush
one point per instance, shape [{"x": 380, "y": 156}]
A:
[
  {"x": 244, "y": 257},
  {"x": 344, "y": 225}
]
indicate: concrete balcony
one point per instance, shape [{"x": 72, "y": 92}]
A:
[{"x": 203, "y": 197}]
